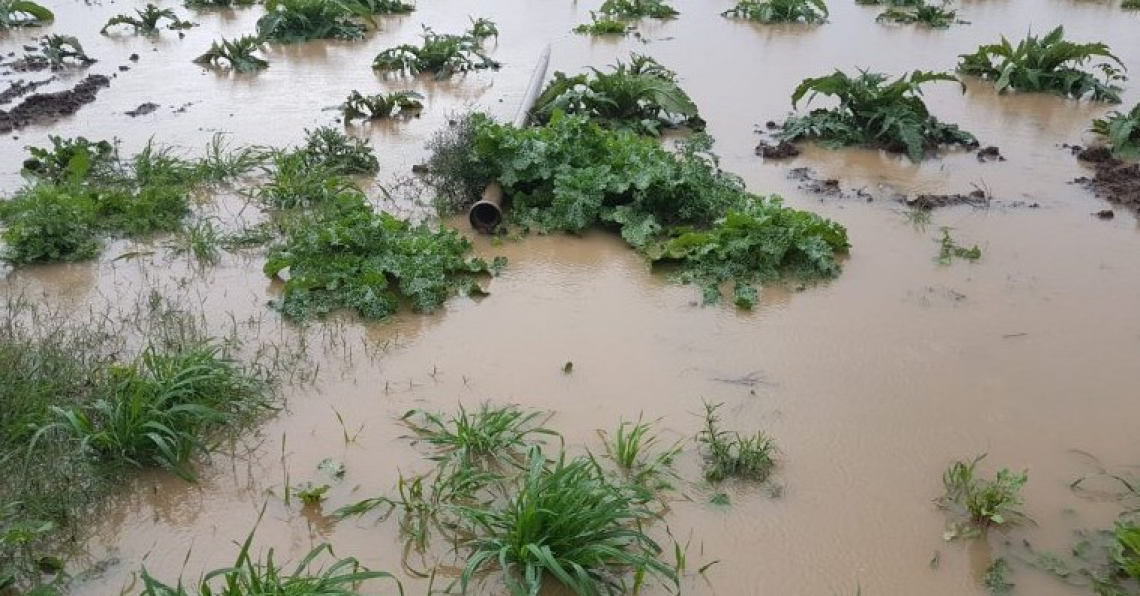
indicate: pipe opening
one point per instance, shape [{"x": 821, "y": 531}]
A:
[{"x": 485, "y": 216}]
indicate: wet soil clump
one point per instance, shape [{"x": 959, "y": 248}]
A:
[
  {"x": 20, "y": 88},
  {"x": 1114, "y": 180},
  {"x": 142, "y": 110},
  {"x": 46, "y": 107},
  {"x": 929, "y": 202},
  {"x": 828, "y": 187},
  {"x": 781, "y": 150}
]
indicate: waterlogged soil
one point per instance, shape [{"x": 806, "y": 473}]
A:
[
  {"x": 43, "y": 108},
  {"x": 871, "y": 384},
  {"x": 1114, "y": 180}
]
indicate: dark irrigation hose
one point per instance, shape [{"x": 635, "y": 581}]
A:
[{"x": 487, "y": 214}]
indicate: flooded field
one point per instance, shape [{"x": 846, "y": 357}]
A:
[{"x": 871, "y": 384}]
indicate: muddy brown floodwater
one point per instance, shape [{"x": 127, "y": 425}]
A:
[{"x": 871, "y": 384}]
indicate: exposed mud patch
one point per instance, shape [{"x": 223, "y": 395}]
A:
[
  {"x": 21, "y": 88},
  {"x": 1115, "y": 181},
  {"x": 829, "y": 187},
  {"x": 928, "y": 202},
  {"x": 142, "y": 110},
  {"x": 45, "y": 107},
  {"x": 780, "y": 150}
]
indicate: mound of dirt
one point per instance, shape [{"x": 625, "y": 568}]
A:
[
  {"x": 928, "y": 202},
  {"x": 1115, "y": 181},
  {"x": 781, "y": 150},
  {"x": 45, "y": 107}
]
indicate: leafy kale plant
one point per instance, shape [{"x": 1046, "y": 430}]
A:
[
  {"x": 23, "y": 13},
  {"x": 1121, "y": 132},
  {"x": 876, "y": 113},
  {"x": 292, "y": 21},
  {"x": 147, "y": 20},
  {"x": 779, "y": 11},
  {"x": 381, "y": 105},
  {"x": 442, "y": 55},
  {"x": 935, "y": 16},
  {"x": 238, "y": 54},
  {"x": 641, "y": 96},
  {"x": 1048, "y": 64}
]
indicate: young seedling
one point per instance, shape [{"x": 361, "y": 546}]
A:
[
  {"x": 381, "y": 106},
  {"x": 982, "y": 502},
  {"x": 147, "y": 20},
  {"x": 237, "y": 54},
  {"x": 949, "y": 250},
  {"x": 875, "y": 112},
  {"x": 1049, "y": 64},
  {"x": 635, "y": 448},
  {"x": 779, "y": 11},
  {"x": 729, "y": 454},
  {"x": 23, "y": 13}
]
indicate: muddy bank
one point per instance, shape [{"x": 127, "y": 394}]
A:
[
  {"x": 1114, "y": 180},
  {"x": 42, "y": 108}
]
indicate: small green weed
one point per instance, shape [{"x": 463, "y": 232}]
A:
[
  {"x": 728, "y": 454},
  {"x": 237, "y": 54},
  {"x": 311, "y": 495},
  {"x": 23, "y": 13},
  {"x": 641, "y": 96},
  {"x": 996, "y": 579},
  {"x": 635, "y": 448},
  {"x": 1048, "y": 64},
  {"x": 1121, "y": 132},
  {"x": 984, "y": 503},
  {"x": 948, "y": 250},
  {"x": 873, "y": 112},
  {"x": 381, "y": 105},
  {"x": 147, "y": 20},
  {"x": 223, "y": 162},
  {"x": 567, "y": 521},
  {"x": 442, "y": 55},
  {"x": 779, "y": 11},
  {"x": 490, "y": 433}
]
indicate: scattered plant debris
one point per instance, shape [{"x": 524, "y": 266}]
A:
[
  {"x": 979, "y": 504},
  {"x": 779, "y": 11},
  {"x": 1048, "y": 64},
  {"x": 146, "y": 21},
  {"x": 237, "y": 54},
  {"x": 949, "y": 250},
  {"x": 442, "y": 55},
  {"x": 380, "y": 106},
  {"x": 890, "y": 116},
  {"x": 641, "y": 96}
]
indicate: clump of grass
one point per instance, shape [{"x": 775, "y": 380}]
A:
[
  {"x": 23, "y": 13},
  {"x": 491, "y": 433},
  {"x": 984, "y": 503},
  {"x": 729, "y": 454},
  {"x": 875, "y": 112},
  {"x": 223, "y": 162},
  {"x": 381, "y": 105},
  {"x": 297, "y": 182},
  {"x": 201, "y": 240},
  {"x": 948, "y": 250},
  {"x": 637, "y": 9},
  {"x": 779, "y": 11},
  {"x": 442, "y": 55},
  {"x": 267, "y": 576},
  {"x": 1049, "y": 64},
  {"x": 935, "y": 16},
  {"x": 635, "y": 448},
  {"x": 160, "y": 409},
  {"x": 565, "y": 520},
  {"x": 641, "y": 96},
  {"x": 237, "y": 54},
  {"x": 293, "y": 21},
  {"x": 147, "y": 20},
  {"x": 1121, "y": 132},
  {"x": 352, "y": 257},
  {"x": 63, "y": 212},
  {"x": 603, "y": 25}
]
